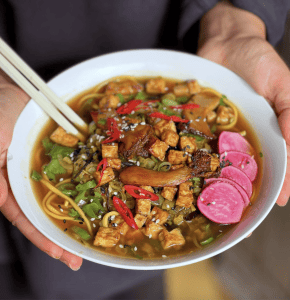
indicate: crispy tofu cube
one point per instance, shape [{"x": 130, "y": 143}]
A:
[
  {"x": 107, "y": 237},
  {"x": 176, "y": 157},
  {"x": 123, "y": 228},
  {"x": 163, "y": 125},
  {"x": 193, "y": 87},
  {"x": 140, "y": 220},
  {"x": 169, "y": 192},
  {"x": 147, "y": 188},
  {"x": 158, "y": 149},
  {"x": 175, "y": 167},
  {"x": 170, "y": 138},
  {"x": 134, "y": 236},
  {"x": 185, "y": 195},
  {"x": 109, "y": 101},
  {"x": 156, "y": 86},
  {"x": 143, "y": 207},
  {"x": 110, "y": 151},
  {"x": 181, "y": 90},
  {"x": 211, "y": 116},
  {"x": 60, "y": 136},
  {"x": 158, "y": 216},
  {"x": 188, "y": 143},
  {"x": 125, "y": 87},
  {"x": 114, "y": 163},
  {"x": 174, "y": 238},
  {"x": 152, "y": 230},
  {"x": 107, "y": 177}
]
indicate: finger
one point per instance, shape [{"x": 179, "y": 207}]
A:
[
  {"x": 285, "y": 192},
  {"x": 13, "y": 213},
  {"x": 3, "y": 189}
]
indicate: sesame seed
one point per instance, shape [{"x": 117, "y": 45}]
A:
[
  {"x": 153, "y": 212},
  {"x": 115, "y": 193},
  {"x": 153, "y": 219},
  {"x": 61, "y": 209},
  {"x": 226, "y": 153},
  {"x": 65, "y": 229},
  {"x": 150, "y": 236},
  {"x": 113, "y": 217},
  {"x": 243, "y": 166},
  {"x": 121, "y": 246},
  {"x": 157, "y": 221},
  {"x": 109, "y": 109},
  {"x": 60, "y": 179},
  {"x": 142, "y": 123},
  {"x": 164, "y": 256},
  {"x": 213, "y": 202},
  {"x": 64, "y": 221},
  {"x": 138, "y": 163},
  {"x": 94, "y": 225},
  {"x": 93, "y": 219},
  {"x": 135, "y": 248}
]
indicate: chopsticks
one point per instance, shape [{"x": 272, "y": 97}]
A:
[{"x": 14, "y": 66}]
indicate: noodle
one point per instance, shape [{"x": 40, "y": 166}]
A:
[{"x": 73, "y": 204}]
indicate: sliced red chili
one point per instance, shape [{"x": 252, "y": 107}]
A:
[
  {"x": 104, "y": 163},
  {"x": 139, "y": 193},
  {"x": 165, "y": 117},
  {"x": 128, "y": 107},
  {"x": 94, "y": 115},
  {"x": 185, "y": 106},
  {"x": 113, "y": 131},
  {"x": 125, "y": 212}
]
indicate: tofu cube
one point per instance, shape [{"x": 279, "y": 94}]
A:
[
  {"x": 193, "y": 87},
  {"x": 143, "y": 207},
  {"x": 158, "y": 149},
  {"x": 114, "y": 163},
  {"x": 109, "y": 101},
  {"x": 147, "y": 188},
  {"x": 185, "y": 195},
  {"x": 174, "y": 238},
  {"x": 134, "y": 236},
  {"x": 170, "y": 138},
  {"x": 169, "y": 192},
  {"x": 158, "y": 216},
  {"x": 176, "y": 157},
  {"x": 60, "y": 136},
  {"x": 107, "y": 237},
  {"x": 181, "y": 90},
  {"x": 107, "y": 176},
  {"x": 175, "y": 167},
  {"x": 110, "y": 151},
  {"x": 211, "y": 116},
  {"x": 125, "y": 87},
  {"x": 156, "y": 86},
  {"x": 140, "y": 220},
  {"x": 123, "y": 228},
  {"x": 152, "y": 230},
  {"x": 164, "y": 125},
  {"x": 188, "y": 143}
]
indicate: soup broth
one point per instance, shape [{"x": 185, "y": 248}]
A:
[{"x": 179, "y": 227}]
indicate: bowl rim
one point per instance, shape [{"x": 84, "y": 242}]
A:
[{"x": 142, "y": 53}]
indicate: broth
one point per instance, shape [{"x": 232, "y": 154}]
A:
[{"x": 135, "y": 244}]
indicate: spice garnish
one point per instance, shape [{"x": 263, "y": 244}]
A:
[
  {"x": 169, "y": 118},
  {"x": 113, "y": 131},
  {"x": 125, "y": 212},
  {"x": 142, "y": 194},
  {"x": 104, "y": 163},
  {"x": 128, "y": 107}
]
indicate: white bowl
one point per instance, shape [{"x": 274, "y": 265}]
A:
[{"x": 151, "y": 63}]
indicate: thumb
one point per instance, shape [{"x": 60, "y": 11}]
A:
[{"x": 3, "y": 189}]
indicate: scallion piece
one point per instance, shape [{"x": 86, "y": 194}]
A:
[
  {"x": 82, "y": 233},
  {"x": 206, "y": 242},
  {"x": 36, "y": 176}
]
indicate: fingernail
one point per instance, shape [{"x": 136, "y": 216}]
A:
[{"x": 74, "y": 268}]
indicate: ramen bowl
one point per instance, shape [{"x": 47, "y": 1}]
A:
[{"x": 167, "y": 64}]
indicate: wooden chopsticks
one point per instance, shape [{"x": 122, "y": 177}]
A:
[{"x": 15, "y": 67}]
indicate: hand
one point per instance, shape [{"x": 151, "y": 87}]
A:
[
  {"x": 12, "y": 102},
  {"x": 236, "y": 39}
]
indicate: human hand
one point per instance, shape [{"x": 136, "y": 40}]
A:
[
  {"x": 12, "y": 102},
  {"x": 236, "y": 39}
]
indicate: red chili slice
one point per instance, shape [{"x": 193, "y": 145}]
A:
[
  {"x": 185, "y": 106},
  {"x": 104, "y": 163},
  {"x": 94, "y": 115},
  {"x": 113, "y": 131},
  {"x": 142, "y": 194},
  {"x": 128, "y": 107},
  {"x": 165, "y": 117},
  {"x": 125, "y": 212}
]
